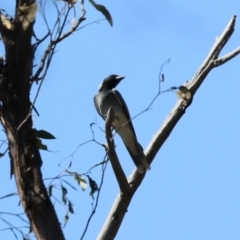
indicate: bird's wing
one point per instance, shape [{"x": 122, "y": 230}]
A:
[
  {"x": 97, "y": 106},
  {"x": 124, "y": 108}
]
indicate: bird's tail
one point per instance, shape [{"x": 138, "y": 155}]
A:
[{"x": 139, "y": 159}]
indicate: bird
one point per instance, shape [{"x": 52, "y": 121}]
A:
[{"x": 107, "y": 97}]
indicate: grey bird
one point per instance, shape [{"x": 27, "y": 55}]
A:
[{"x": 108, "y": 97}]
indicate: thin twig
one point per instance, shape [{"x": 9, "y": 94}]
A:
[
  {"x": 161, "y": 79},
  {"x": 104, "y": 166},
  {"x": 84, "y": 143},
  {"x": 9, "y": 195}
]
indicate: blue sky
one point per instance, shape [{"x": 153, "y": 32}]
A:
[{"x": 192, "y": 191}]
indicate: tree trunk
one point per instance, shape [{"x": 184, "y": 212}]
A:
[{"x": 16, "y": 119}]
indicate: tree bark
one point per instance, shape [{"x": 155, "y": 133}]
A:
[{"x": 15, "y": 114}]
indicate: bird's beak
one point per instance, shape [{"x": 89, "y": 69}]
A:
[{"x": 120, "y": 77}]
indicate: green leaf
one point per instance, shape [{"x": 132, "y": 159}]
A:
[
  {"x": 50, "y": 190},
  {"x": 81, "y": 181},
  {"x": 70, "y": 208},
  {"x": 40, "y": 145},
  {"x": 64, "y": 195},
  {"x": 43, "y": 134},
  {"x": 66, "y": 217},
  {"x": 70, "y": 164},
  {"x": 103, "y": 10},
  {"x": 93, "y": 185}
]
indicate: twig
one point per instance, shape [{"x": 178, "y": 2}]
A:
[
  {"x": 97, "y": 200},
  {"x": 9, "y": 195},
  {"x": 161, "y": 79},
  {"x": 84, "y": 143},
  {"x": 12, "y": 227},
  {"x": 39, "y": 41},
  {"x": 18, "y": 215}
]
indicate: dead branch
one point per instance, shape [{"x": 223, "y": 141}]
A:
[
  {"x": 227, "y": 57},
  {"x": 120, "y": 206}
]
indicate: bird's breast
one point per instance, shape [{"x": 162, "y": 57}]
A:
[{"x": 105, "y": 101}]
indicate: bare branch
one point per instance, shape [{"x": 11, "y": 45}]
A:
[
  {"x": 220, "y": 42},
  {"x": 121, "y": 204},
  {"x": 119, "y": 173},
  {"x": 210, "y": 61},
  {"x": 227, "y": 57}
]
